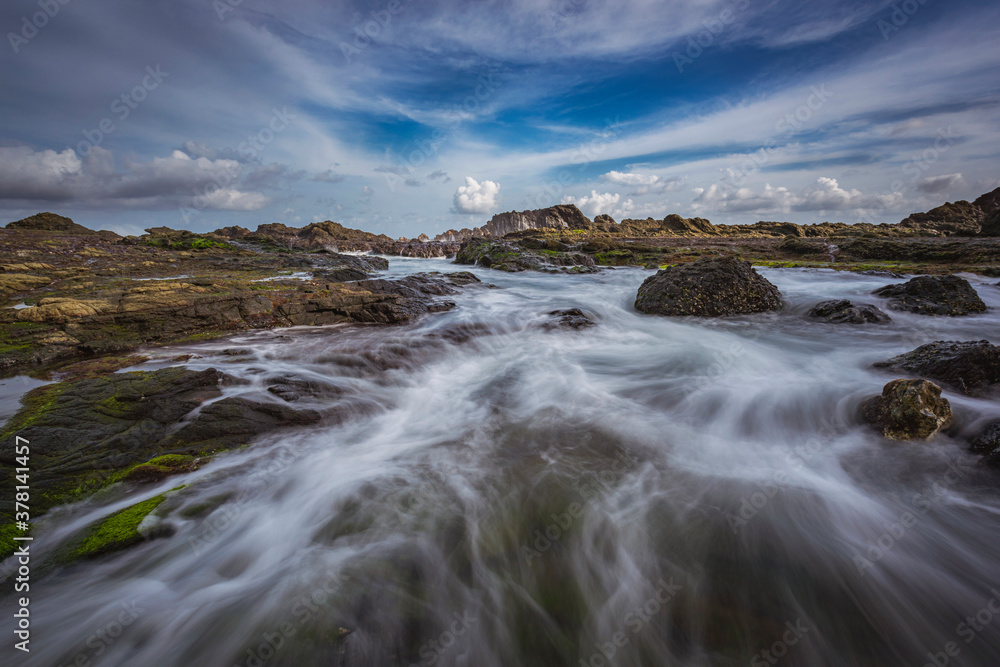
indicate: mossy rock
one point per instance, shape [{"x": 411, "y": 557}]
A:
[{"x": 118, "y": 531}]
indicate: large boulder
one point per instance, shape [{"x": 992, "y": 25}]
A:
[
  {"x": 908, "y": 410},
  {"x": 560, "y": 217},
  {"x": 708, "y": 287},
  {"x": 845, "y": 312},
  {"x": 969, "y": 367},
  {"x": 933, "y": 295}
]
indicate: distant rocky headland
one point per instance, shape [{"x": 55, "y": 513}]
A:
[{"x": 74, "y": 293}]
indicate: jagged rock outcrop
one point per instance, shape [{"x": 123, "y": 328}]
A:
[
  {"x": 989, "y": 202},
  {"x": 708, "y": 287},
  {"x": 908, "y": 410},
  {"x": 970, "y": 367},
  {"x": 933, "y": 295},
  {"x": 844, "y": 312},
  {"x": 960, "y": 218},
  {"x": 562, "y": 216},
  {"x": 991, "y": 225},
  {"x": 511, "y": 257}
]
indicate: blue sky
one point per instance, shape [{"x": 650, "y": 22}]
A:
[{"x": 402, "y": 117}]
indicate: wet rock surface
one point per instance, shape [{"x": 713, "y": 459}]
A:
[
  {"x": 933, "y": 295},
  {"x": 845, "y": 312},
  {"x": 971, "y": 367},
  {"x": 908, "y": 410},
  {"x": 709, "y": 288}
]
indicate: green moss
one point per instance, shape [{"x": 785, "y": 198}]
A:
[
  {"x": 159, "y": 467},
  {"x": 118, "y": 531}
]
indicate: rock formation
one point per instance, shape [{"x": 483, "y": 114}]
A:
[{"x": 708, "y": 287}]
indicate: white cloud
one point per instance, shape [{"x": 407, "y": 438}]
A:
[
  {"x": 939, "y": 184},
  {"x": 597, "y": 203},
  {"x": 475, "y": 197},
  {"x": 230, "y": 199},
  {"x": 826, "y": 195},
  {"x": 642, "y": 183}
]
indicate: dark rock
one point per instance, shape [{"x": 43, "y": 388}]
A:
[
  {"x": 969, "y": 367},
  {"x": 708, "y": 287},
  {"x": 511, "y": 257},
  {"x": 49, "y": 222},
  {"x": 933, "y": 295},
  {"x": 987, "y": 443},
  {"x": 908, "y": 410},
  {"x": 989, "y": 202},
  {"x": 341, "y": 275},
  {"x": 570, "y": 318},
  {"x": 959, "y": 218},
  {"x": 84, "y": 432},
  {"x": 845, "y": 312}
]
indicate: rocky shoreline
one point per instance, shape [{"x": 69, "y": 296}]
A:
[{"x": 80, "y": 302}]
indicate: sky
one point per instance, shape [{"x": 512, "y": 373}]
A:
[{"x": 416, "y": 116}]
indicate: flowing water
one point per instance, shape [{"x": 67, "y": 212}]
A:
[{"x": 648, "y": 491}]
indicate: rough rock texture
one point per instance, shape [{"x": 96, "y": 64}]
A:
[
  {"x": 987, "y": 443},
  {"x": 708, "y": 287},
  {"x": 49, "y": 222},
  {"x": 959, "y": 218},
  {"x": 933, "y": 295},
  {"x": 989, "y": 202},
  {"x": 511, "y": 257},
  {"x": 991, "y": 224},
  {"x": 563, "y": 216},
  {"x": 570, "y": 318},
  {"x": 845, "y": 312},
  {"x": 84, "y": 431},
  {"x": 969, "y": 367},
  {"x": 908, "y": 410}
]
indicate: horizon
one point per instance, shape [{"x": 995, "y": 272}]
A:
[{"x": 400, "y": 118}]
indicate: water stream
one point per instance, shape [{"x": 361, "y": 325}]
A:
[{"x": 648, "y": 491}]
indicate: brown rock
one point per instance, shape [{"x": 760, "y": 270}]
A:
[{"x": 908, "y": 410}]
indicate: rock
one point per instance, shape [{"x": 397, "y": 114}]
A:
[
  {"x": 563, "y": 216},
  {"x": 987, "y": 443},
  {"x": 508, "y": 256},
  {"x": 989, "y": 202},
  {"x": 49, "y": 222},
  {"x": 84, "y": 432},
  {"x": 341, "y": 275},
  {"x": 959, "y": 218},
  {"x": 969, "y": 367},
  {"x": 20, "y": 282},
  {"x": 991, "y": 225},
  {"x": 933, "y": 295},
  {"x": 845, "y": 312},
  {"x": 60, "y": 310},
  {"x": 570, "y": 318},
  {"x": 908, "y": 410},
  {"x": 708, "y": 288}
]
